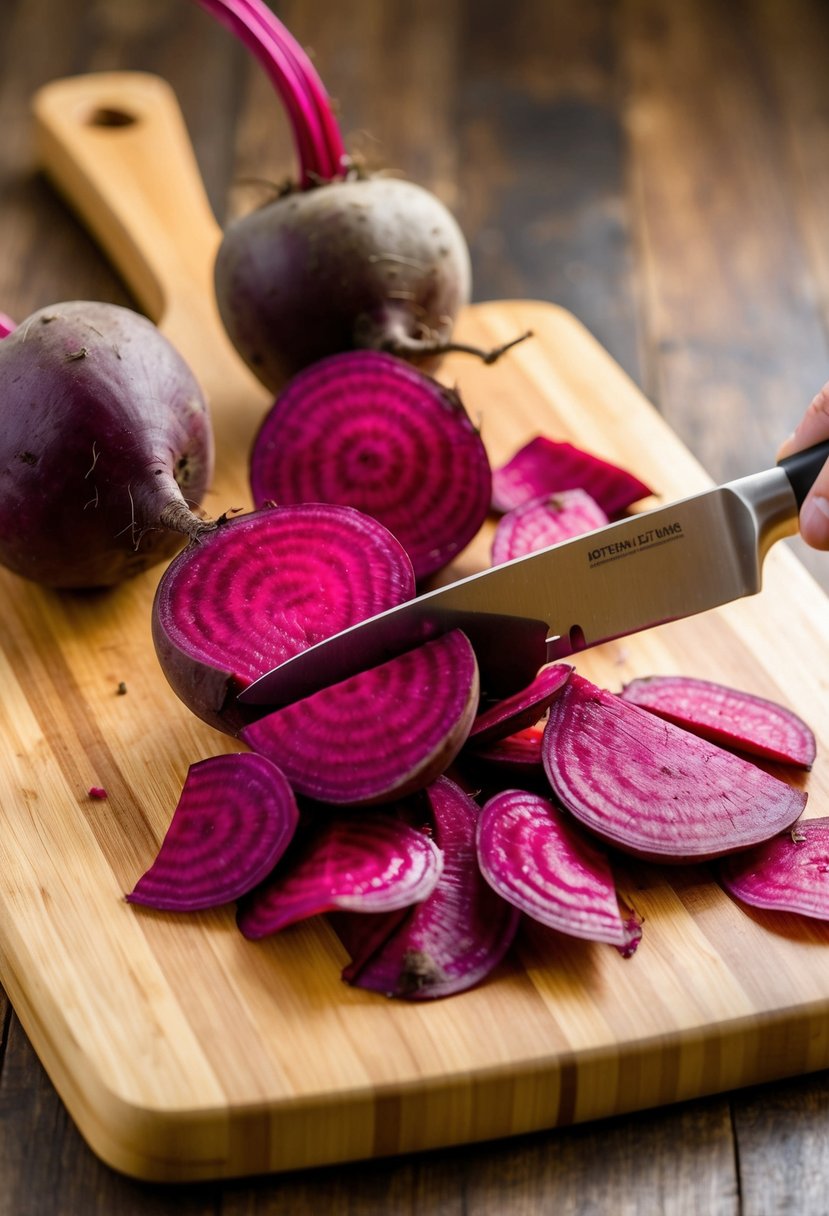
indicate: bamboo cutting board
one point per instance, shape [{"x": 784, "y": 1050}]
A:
[{"x": 183, "y": 1051}]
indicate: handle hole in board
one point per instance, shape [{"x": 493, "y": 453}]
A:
[{"x": 111, "y": 116}]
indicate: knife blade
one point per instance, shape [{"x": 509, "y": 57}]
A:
[{"x": 656, "y": 566}]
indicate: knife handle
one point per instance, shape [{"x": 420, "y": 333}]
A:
[{"x": 802, "y": 468}]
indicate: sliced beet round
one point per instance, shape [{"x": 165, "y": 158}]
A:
[
  {"x": 522, "y": 709},
  {"x": 546, "y": 466},
  {"x": 263, "y": 587},
  {"x": 380, "y": 734},
  {"x": 534, "y": 858},
  {"x": 366, "y": 862},
  {"x": 727, "y": 715},
  {"x": 457, "y": 936},
  {"x": 652, "y": 788},
  {"x": 789, "y": 873},
  {"x": 545, "y": 521},
  {"x": 366, "y": 430},
  {"x": 234, "y": 820}
]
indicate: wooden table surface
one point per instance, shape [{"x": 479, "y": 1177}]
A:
[{"x": 661, "y": 170}]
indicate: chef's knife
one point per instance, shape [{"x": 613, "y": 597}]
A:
[{"x": 645, "y": 570}]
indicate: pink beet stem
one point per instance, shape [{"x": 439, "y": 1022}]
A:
[
  {"x": 317, "y": 138},
  {"x": 7, "y": 325}
]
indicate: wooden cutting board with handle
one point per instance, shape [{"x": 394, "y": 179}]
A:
[{"x": 183, "y": 1051}]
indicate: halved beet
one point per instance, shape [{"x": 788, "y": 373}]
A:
[
  {"x": 546, "y": 466},
  {"x": 522, "y": 709},
  {"x": 727, "y": 716},
  {"x": 366, "y": 862},
  {"x": 367, "y": 430},
  {"x": 263, "y": 587},
  {"x": 545, "y": 521},
  {"x": 234, "y": 820},
  {"x": 533, "y": 857},
  {"x": 789, "y": 873},
  {"x": 457, "y": 936},
  {"x": 380, "y": 734},
  {"x": 652, "y": 788}
]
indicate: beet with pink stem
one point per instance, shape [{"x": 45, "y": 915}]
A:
[
  {"x": 234, "y": 820},
  {"x": 345, "y": 260},
  {"x": 789, "y": 873},
  {"x": 263, "y": 587},
  {"x": 105, "y": 448},
  {"x": 545, "y": 466},
  {"x": 378, "y": 735},
  {"x": 545, "y": 521},
  {"x": 532, "y": 856},
  {"x": 368, "y": 431},
  {"x": 367, "y": 862},
  {"x": 652, "y": 788},
  {"x": 457, "y": 936},
  {"x": 727, "y": 716}
]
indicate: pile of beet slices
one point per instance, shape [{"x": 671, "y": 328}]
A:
[{"x": 425, "y": 818}]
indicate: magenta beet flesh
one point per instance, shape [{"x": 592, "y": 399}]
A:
[
  {"x": 532, "y": 856},
  {"x": 367, "y": 862},
  {"x": 788, "y": 874},
  {"x": 544, "y": 466},
  {"x": 545, "y": 521},
  {"x": 727, "y": 716},
  {"x": 522, "y": 709},
  {"x": 234, "y": 820},
  {"x": 457, "y": 936},
  {"x": 380, "y": 734},
  {"x": 106, "y": 444},
  {"x": 261, "y": 588},
  {"x": 368, "y": 431},
  {"x": 650, "y": 787}
]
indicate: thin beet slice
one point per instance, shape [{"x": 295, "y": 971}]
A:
[
  {"x": 520, "y": 710},
  {"x": 532, "y": 856},
  {"x": 380, "y": 734},
  {"x": 368, "y": 863},
  {"x": 366, "y": 430},
  {"x": 546, "y": 466},
  {"x": 652, "y": 788},
  {"x": 787, "y": 874},
  {"x": 457, "y": 936},
  {"x": 727, "y": 716},
  {"x": 517, "y": 753},
  {"x": 545, "y": 521},
  {"x": 234, "y": 820},
  {"x": 263, "y": 587}
]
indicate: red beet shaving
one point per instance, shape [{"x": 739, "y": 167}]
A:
[
  {"x": 545, "y": 521},
  {"x": 522, "y": 709},
  {"x": 368, "y": 431},
  {"x": 457, "y": 936},
  {"x": 263, "y": 587},
  {"x": 518, "y": 753},
  {"x": 368, "y": 862},
  {"x": 380, "y": 734},
  {"x": 728, "y": 716},
  {"x": 652, "y": 788},
  {"x": 789, "y": 873},
  {"x": 535, "y": 859},
  {"x": 234, "y": 820},
  {"x": 544, "y": 466}
]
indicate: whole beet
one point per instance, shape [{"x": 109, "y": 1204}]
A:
[
  {"x": 373, "y": 262},
  {"x": 105, "y": 445}
]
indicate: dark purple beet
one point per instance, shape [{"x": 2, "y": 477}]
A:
[
  {"x": 369, "y": 431},
  {"x": 105, "y": 446},
  {"x": 234, "y": 820},
  {"x": 381, "y": 734},
  {"x": 261, "y": 588},
  {"x": 371, "y": 262}
]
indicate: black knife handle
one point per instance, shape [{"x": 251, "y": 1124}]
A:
[{"x": 802, "y": 468}]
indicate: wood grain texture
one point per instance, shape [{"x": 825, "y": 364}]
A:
[
  {"x": 181, "y": 1051},
  {"x": 679, "y": 1160}
]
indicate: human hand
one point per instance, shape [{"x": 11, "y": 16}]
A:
[{"x": 813, "y": 428}]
